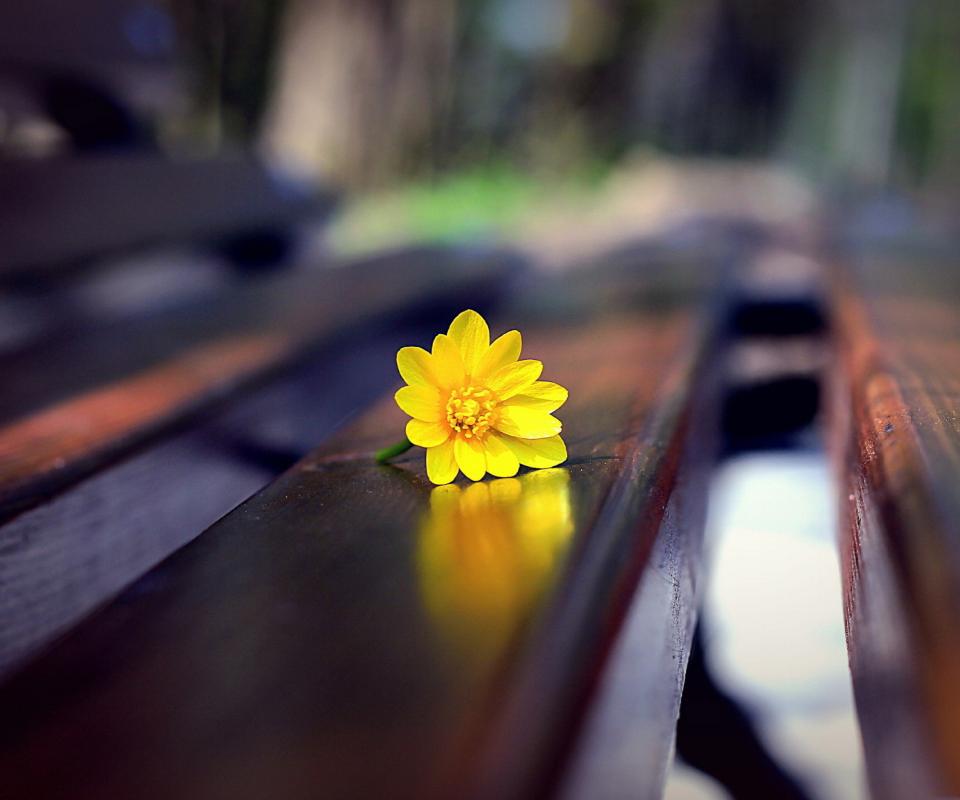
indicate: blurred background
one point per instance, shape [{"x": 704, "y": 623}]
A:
[
  {"x": 288, "y": 134},
  {"x": 442, "y": 118}
]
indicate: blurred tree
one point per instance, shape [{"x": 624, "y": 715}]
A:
[
  {"x": 719, "y": 73},
  {"x": 363, "y": 87},
  {"x": 229, "y": 46},
  {"x": 928, "y": 125},
  {"x": 375, "y": 90},
  {"x": 369, "y": 93}
]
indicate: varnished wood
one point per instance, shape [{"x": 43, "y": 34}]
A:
[
  {"x": 353, "y": 632},
  {"x": 620, "y": 752},
  {"x": 52, "y": 446},
  {"x": 896, "y": 434}
]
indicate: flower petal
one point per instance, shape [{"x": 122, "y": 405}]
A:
[
  {"x": 441, "y": 463},
  {"x": 503, "y": 351},
  {"x": 536, "y": 453},
  {"x": 427, "y": 434},
  {"x": 514, "y": 378},
  {"x": 500, "y": 459},
  {"x": 470, "y": 457},
  {"x": 421, "y": 402},
  {"x": 526, "y": 423},
  {"x": 470, "y": 333},
  {"x": 416, "y": 366},
  {"x": 541, "y": 396},
  {"x": 447, "y": 363}
]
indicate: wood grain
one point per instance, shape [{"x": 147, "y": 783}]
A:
[
  {"x": 895, "y": 433},
  {"x": 55, "y": 445}
]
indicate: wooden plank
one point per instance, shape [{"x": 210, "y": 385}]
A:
[
  {"x": 54, "y": 445},
  {"x": 896, "y": 434},
  {"x": 626, "y": 748},
  {"x": 91, "y": 409},
  {"x": 353, "y": 632}
]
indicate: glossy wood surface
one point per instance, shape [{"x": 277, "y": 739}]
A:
[
  {"x": 94, "y": 392},
  {"x": 353, "y": 632},
  {"x": 620, "y": 752},
  {"x": 896, "y": 431}
]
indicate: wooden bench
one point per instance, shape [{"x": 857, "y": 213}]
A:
[
  {"x": 123, "y": 434},
  {"x": 351, "y": 631}
]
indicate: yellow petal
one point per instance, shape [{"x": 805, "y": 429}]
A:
[
  {"x": 500, "y": 459},
  {"x": 470, "y": 457},
  {"x": 447, "y": 363},
  {"x": 536, "y": 453},
  {"x": 541, "y": 396},
  {"x": 503, "y": 351},
  {"x": 416, "y": 366},
  {"x": 514, "y": 378},
  {"x": 441, "y": 463},
  {"x": 421, "y": 402},
  {"x": 470, "y": 333},
  {"x": 526, "y": 423},
  {"x": 427, "y": 434}
]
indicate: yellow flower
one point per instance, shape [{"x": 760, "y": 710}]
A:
[{"x": 476, "y": 408}]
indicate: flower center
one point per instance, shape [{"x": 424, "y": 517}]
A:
[{"x": 470, "y": 411}]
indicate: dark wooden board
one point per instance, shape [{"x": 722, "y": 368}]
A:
[
  {"x": 896, "y": 432},
  {"x": 621, "y": 750},
  {"x": 353, "y": 632}
]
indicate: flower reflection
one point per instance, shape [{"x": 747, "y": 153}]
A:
[{"x": 488, "y": 552}]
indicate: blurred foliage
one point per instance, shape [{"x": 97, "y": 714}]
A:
[
  {"x": 928, "y": 129},
  {"x": 481, "y": 203}
]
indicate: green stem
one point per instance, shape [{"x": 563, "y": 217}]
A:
[{"x": 383, "y": 456}]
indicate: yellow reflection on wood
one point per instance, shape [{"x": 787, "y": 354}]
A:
[{"x": 488, "y": 552}]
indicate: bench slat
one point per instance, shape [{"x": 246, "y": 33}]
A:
[{"x": 897, "y": 434}]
